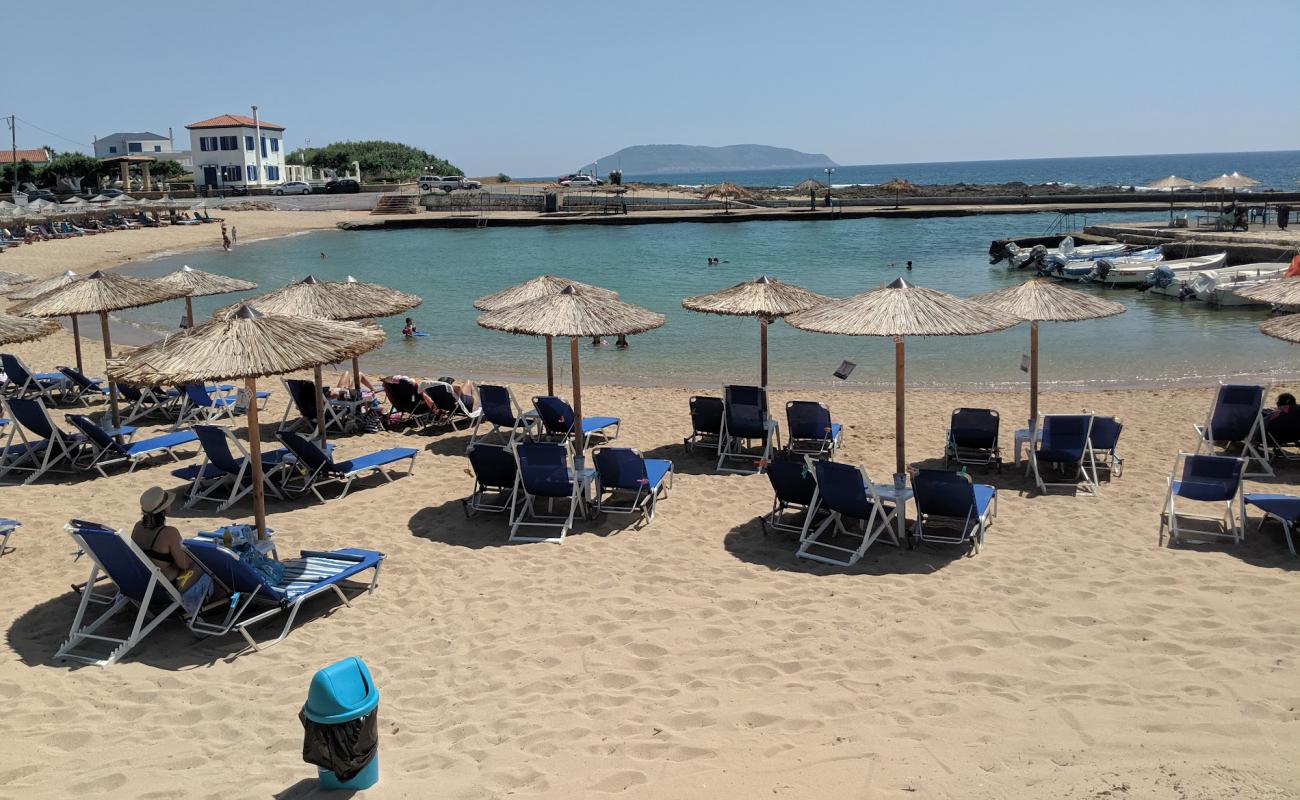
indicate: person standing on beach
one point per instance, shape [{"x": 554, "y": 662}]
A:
[
  {"x": 234, "y": 236},
  {"x": 225, "y": 242}
]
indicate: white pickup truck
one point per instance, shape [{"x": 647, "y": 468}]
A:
[{"x": 448, "y": 183}]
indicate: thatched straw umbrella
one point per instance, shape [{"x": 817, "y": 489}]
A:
[
  {"x": 248, "y": 345},
  {"x": 577, "y": 314},
  {"x": 1043, "y": 300},
  {"x": 765, "y": 298},
  {"x": 1285, "y": 292},
  {"x": 897, "y": 185},
  {"x": 14, "y": 278},
  {"x": 1286, "y": 328},
  {"x": 897, "y": 310},
  {"x": 24, "y": 329},
  {"x": 99, "y": 293},
  {"x": 532, "y": 289},
  {"x": 202, "y": 284},
  {"x": 728, "y": 191},
  {"x": 38, "y": 288},
  {"x": 1234, "y": 182},
  {"x": 812, "y": 187},
  {"x": 1172, "y": 183}
]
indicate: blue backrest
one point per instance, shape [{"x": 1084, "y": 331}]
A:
[
  {"x": 226, "y": 567},
  {"x": 706, "y": 414},
  {"x": 129, "y": 393},
  {"x": 556, "y": 415},
  {"x": 1105, "y": 432},
  {"x": 303, "y": 394},
  {"x": 621, "y": 468},
  {"x": 808, "y": 419},
  {"x": 497, "y": 407},
  {"x": 442, "y": 397},
  {"x": 31, "y": 415},
  {"x": 217, "y": 448},
  {"x": 745, "y": 408},
  {"x": 943, "y": 493},
  {"x": 14, "y": 368},
  {"x": 110, "y": 551},
  {"x": 1211, "y": 478},
  {"x": 841, "y": 488},
  {"x": 1066, "y": 433},
  {"x": 197, "y": 395},
  {"x": 493, "y": 465},
  {"x": 77, "y": 378},
  {"x": 306, "y": 451},
  {"x": 544, "y": 469},
  {"x": 1236, "y": 409},
  {"x": 95, "y": 433},
  {"x": 974, "y": 428},
  {"x": 791, "y": 481}
]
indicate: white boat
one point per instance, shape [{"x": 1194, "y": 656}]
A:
[
  {"x": 1091, "y": 269},
  {"x": 1168, "y": 277},
  {"x": 1017, "y": 257},
  {"x": 1219, "y": 287}
]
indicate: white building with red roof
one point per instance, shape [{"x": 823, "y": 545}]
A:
[{"x": 232, "y": 150}]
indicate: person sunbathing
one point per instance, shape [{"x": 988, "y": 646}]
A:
[{"x": 162, "y": 542}]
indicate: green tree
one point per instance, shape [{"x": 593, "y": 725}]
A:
[
  {"x": 70, "y": 165},
  {"x": 503, "y": 178},
  {"x": 379, "y": 160},
  {"x": 26, "y": 174}
]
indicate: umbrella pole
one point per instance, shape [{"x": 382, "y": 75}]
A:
[
  {"x": 76, "y": 343},
  {"x": 577, "y": 397},
  {"x": 550, "y": 367},
  {"x": 900, "y": 409},
  {"x": 762, "y": 339},
  {"x": 1033, "y": 375},
  {"x": 255, "y": 456},
  {"x": 189, "y": 313},
  {"x": 112, "y": 386},
  {"x": 356, "y": 376},
  {"x": 321, "y": 400}
]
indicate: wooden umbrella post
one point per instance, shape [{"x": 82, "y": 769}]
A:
[
  {"x": 550, "y": 367},
  {"x": 577, "y": 397},
  {"x": 255, "y": 457},
  {"x": 1033, "y": 376},
  {"x": 112, "y": 385},
  {"x": 900, "y": 408},
  {"x": 356, "y": 376},
  {"x": 762, "y": 346},
  {"x": 76, "y": 343},
  {"x": 189, "y": 312},
  {"x": 321, "y": 400}
]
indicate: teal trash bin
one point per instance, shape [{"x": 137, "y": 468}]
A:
[{"x": 341, "y": 726}]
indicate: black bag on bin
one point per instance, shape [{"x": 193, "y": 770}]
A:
[{"x": 343, "y": 748}]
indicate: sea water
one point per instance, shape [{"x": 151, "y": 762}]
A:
[{"x": 1157, "y": 341}]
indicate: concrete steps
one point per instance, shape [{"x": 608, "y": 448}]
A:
[{"x": 394, "y": 203}]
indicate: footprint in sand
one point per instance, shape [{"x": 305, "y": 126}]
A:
[{"x": 620, "y": 781}]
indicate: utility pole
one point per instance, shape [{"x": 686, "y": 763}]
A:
[
  {"x": 257, "y": 147},
  {"x": 13, "y": 154}
]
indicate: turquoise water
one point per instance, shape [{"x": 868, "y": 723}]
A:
[{"x": 1158, "y": 340}]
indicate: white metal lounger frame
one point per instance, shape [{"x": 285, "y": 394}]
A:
[
  {"x": 8, "y": 526},
  {"x": 206, "y": 490},
  {"x": 1233, "y": 529},
  {"x": 726, "y": 443},
  {"x": 1253, "y": 448},
  {"x": 191, "y": 414},
  {"x": 463, "y": 416},
  {"x": 524, "y": 422},
  {"x": 1089, "y": 484},
  {"x": 879, "y": 522},
  {"x": 61, "y": 447},
  {"x": 336, "y": 418},
  {"x": 522, "y": 509},
  {"x": 643, "y": 500},
  {"x": 972, "y": 527},
  {"x": 142, "y": 625}
]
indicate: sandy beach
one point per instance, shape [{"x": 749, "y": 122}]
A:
[{"x": 1074, "y": 657}]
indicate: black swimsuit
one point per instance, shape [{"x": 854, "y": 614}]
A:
[{"x": 164, "y": 556}]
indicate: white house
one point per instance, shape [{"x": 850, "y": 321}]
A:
[
  {"x": 141, "y": 144},
  {"x": 234, "y": 150}
]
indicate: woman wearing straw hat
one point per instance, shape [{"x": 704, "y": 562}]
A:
[{"x": 162, "y": 542}]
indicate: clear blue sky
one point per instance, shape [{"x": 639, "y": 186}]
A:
[{"x": 533, "y": 88}]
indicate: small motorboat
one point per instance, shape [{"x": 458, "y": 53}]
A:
[
  {"x": 1019, "y": 258},
  {"x": 1168, "y": 277},
  {"x": 1091, "y": 269},
  {"x": 1219, "y": 287}
]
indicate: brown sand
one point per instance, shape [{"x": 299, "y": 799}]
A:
[{"x": 1075, "y": 657}]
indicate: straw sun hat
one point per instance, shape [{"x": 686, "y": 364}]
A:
[{"x": 156, "y": 499}]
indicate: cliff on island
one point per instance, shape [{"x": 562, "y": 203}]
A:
[{"x": 654, "y": 159}]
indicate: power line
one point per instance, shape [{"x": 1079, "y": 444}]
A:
[{"x": 49, "y": 133}]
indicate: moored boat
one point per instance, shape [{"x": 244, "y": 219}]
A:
[
  {"x": 1219, "y": 287},
  {"x": 1091, "y": 269},
  {"x": 1168, "y": 278}
]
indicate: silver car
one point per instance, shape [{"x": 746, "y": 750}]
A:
[{"x": 293, "y": 187}]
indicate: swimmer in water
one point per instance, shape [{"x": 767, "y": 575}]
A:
[
  {"x": 322, "y": 255},
  {"x": 909, "y": 266},
  {"x": 409, "y": 329}
]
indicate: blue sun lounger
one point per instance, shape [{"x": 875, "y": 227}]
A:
[
  {"x": 1066, "y": 441},
  {"x": 52, "y": 448},
  {"x": 629, "y": 483},
  {"x": 973, "y": 438},
  {"x": 222, "y": 472},
  {"x": 845, "y": 492},
  {"x": 1237, "y": 418},
  {"x": 7, "y": 528},
  {"x": 794, "y": 487},
  {"x": 314, "y": 573},
  {"x": 22, "y": 382},
  {"x": 503, "y": 413},
  {"x": 108, "y": 451},
  {"x": 317, "y": 468},
  {"x": 495, "y": 471},
  {"x": 706, "y": 423},
  {"x": 1281, "y": 507},
  {"x": 811, "y": 430},
  {"x": 745, "y": 420},
  {"x": 950, "y": 496},
  {"x": 79, "y": 387},
  {"x": 1206, "y": 479},
  {"x": 557, "y": 419},
  {"x": 544, "y": 475}
]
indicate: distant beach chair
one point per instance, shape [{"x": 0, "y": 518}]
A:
[
  {"x": 406, "y": 404},
  {"x": 201, "y": 406},
  {"x": 1281, "y": 507},
  {"x": 1283, "y": 432},
  {"x": 22, "y": 382},
  {"x": 844, "y": 492},
  {"x": 1206, "y": 479},
  {"x": 745, "y": 420},
  {"x": 953, "y": 498},
  {"x": 304, "y": 397},
  {"x": 1065, "y": 443},
  {"x": 79, "y": 387},
  {"x": 50, "y": 449},
  {"x": 544, "y": 475},
  {"x": 495, "y": 471},
  {"x": 314, "y": 573},
  {"x": 223, "y": 477},
  {"x": 147, "y": 402},
  {"x": 810, "y": 429},
  {"x": 502, "y": 412},
  {"x": 973, "y": 438},
  {"x": 318, "y": 468},
  {"x": 706, "y": 423},
  {"x": 106, "y": 451},
  {"x": 793, "y": 487},
  {"x": 140, "y": 585},
  {"x": 1237, "y": 419},
  {"x": 7, "y": 528},
  {"x": 450, "y": 408},
  {"x": 629, "y": 483},
  {"x": 557, "y": 421},
  {"x": 1104, "y": 441}
]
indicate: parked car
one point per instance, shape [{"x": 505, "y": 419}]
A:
[
  {"x": 342, "y": 186},
  {"x": 109, "y": 193},
  {"x": 581, "y": 180},
  {"x": 42, "y": 194},
  {"x": 448, "y": 183},
  {"x": 293, "y": 187}
]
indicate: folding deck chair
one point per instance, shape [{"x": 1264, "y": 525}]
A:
[
  {"x": 1065, "y": 443},
  {"x": 706, "y": 423},
  {"x": 106, "y": 451},
  {"x": 304, "y": 397},
  {"x": 79, "y": 387},
  {"x": 794, "y": 487},
  {"x": 1237, "y": 418},
  {"x": 495, "y": 471},
  {"x": 843, "y": 491},
  {"x": 557, "y": 420},
  {"x": 314, "y": 573},
  {"x": 629, "y": 483},
  {"x": 23, "y": 383},
  {"x": 1206, "y": 479},
  {"x": 1283, "y": 432},
  {"x": 811, "y": 430},
  {"x": 224, "y": 477},
  {"x": 406, "y": 404},
  {"x": 450, "y": 408},
  {"x": 745, "y": 420},
  {"x": 317, "y": 468},
  {"x": 140, "y": 586},
  {"x": 973, "y": 438},
  {"x": 951, "y": 497},
  {"x": 50, "y": 448},
  {"x": 503, "y": 413},
  {"x": 544, "y": 475},
  {"x": 1281, "y": 507},
  {"x": 1104, "y": 441},
  {"x": 147, "y": 401},
  {"x": 7, "y": 528},
  {"x": 200, "y": 406}
]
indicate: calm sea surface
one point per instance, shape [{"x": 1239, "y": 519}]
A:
[{"x": 1158, "y": 340}]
